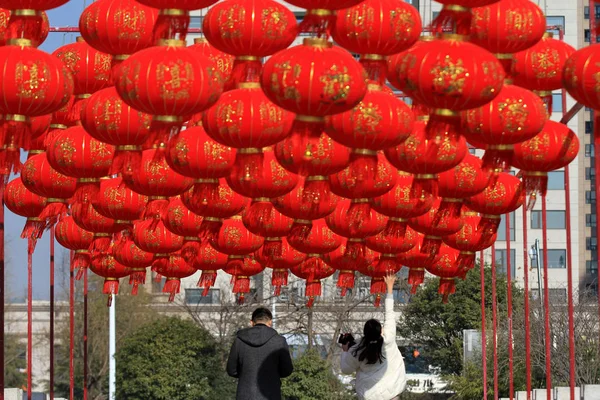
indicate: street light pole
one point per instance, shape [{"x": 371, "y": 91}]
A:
[
  {"x": 112, "y": 365},
  {"x": 539, "y": 270}
]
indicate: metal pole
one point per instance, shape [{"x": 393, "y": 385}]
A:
[
  {"x": 111, "y": 350},
  {"x": 51, "y": 383},
  {"x": 539, "y": 271},
  {"x": 2, "y": 294},
  {"x": 274, "y": 312}
]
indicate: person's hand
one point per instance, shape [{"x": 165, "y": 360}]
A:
[
  {"x": 390, "y": 279},
  {"x": 346, "y": 346}
]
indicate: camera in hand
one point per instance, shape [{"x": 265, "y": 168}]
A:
[{"x": 346, "y": 338}]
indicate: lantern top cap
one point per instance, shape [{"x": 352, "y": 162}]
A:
[
  {"x": 427, "y": 38},
  {"x": 248, "y": 85},
  {"x": 548, "y": 35},
  {"x": 20, "y": 42},
  {"x": 79, "y": 39},
  {"x": 171, "y": 43},
  {"x": 320, "y": 12},
  {"x": 200, "y": 40},
  {"x": 317, "y": 42},
  {"x": 174, "y": 12}
]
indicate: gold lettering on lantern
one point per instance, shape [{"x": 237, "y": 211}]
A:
[
  {"x": 101, "y": 153},
  {"x": 279, "y": 175},
  {"x": 465, "y": 176},
  {"x": 273, "y": 22},
  {"x": 360, "y": 19},
  {"x": 544, "y": 63},
  {"x": 151, "y": 238},
  {"x": 401, "y": 23},
  {"x": 110, "y": 117},
  {"x": 70, "y": 58},
  {"x": 215, "y": 151},
  {"x": 229, "y": 117},
  {"x": 116, "y": 197},
  {"x": 3, "y": 21},
  {"x": 177, "y": 215},
  {"x": 446, "y": 151},
  {"x": 367, "y": 119},
  {"x": 30, "y": 79},
  {"x": 280, "y": 81},
  {"x": 519, "y": 25},
  {"x": 233, "y": 236},
  {"x": 494, "y": 196},
  {"x": 449, "y": 76},
  {"x": 513, "y": 113},
  {"x": 130, "y": 21},
  {"x": 336, "y": 83},
  {"x": 157, "y": 171},
  {"x": 177, "y": 78},
  {"x": 181, "y": 153},
  {"x": 480, "y": 16},
  {"x": 130, "y": 74},
  {"x": 537, "y": 146},
  {"x": 65, "y": 149},
  {"x": 231, "y": 21},
  {"x": 102, "y": 63},
  {"x": 271, "y": 117}
]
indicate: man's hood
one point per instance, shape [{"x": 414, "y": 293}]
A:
[{"x": 257, "y": 335}]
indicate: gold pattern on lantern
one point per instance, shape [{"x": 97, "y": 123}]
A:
[
  {"x": 360, "y": 19},
  {"x": 110, "y": 117},
  {"x": 279, "y": 175},
  {"x": 273, "y": 23},
  {"x": 176, "y": 77},
  {"x": 70, "y": 58},
  {"x": 449, "y": 76},
  {"x": 229, "y": 116},
  {"x": 367, "y": 119},
  {"x": 465, "y": 176},
  {"x": 231, "y": 20},
  {"x": 116, "y": 197},
  {"x": 519, "y": 24},
  {"x": 513, "y": 113},
  {"x": 233, "y": 236},
  {"x": 130, "y": 21},
  {"x": 536, "y": 147},
  {"x": 336, "y": 83},
  {"x": 284, "y": 90},
  {"x": 102, "y": 66},
  {"x": 271, "y": 117},
  {"x": 402, "y": 22},
  {"x": 182, "y": 150},
  {"x": 101, "y": 152},
  {"x": 66, "y": 149},
  {"x": 544, "y": 63},
  {"x": 30, "y": 79},
  {"x": 157, "y": 170},
  {"x": 495, "y": 195}
]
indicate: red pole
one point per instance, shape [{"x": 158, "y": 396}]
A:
[
  {"x": 483, "y": 334},
  {"x": 51, "y": 383},
  {"x": 29, "y": 321},
  {"x": 2, "y": 273},
  {"x": 494, "y": 323},
  {"x": 85, "y": 334},
  {"x": 548, "y": 337},
  {"x": 71, "y": 330},
  {"x": 527, "y": 324},
  {"x": 511, "y": 380}
]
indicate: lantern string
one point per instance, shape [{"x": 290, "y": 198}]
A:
[
  {"x": 494, "y": 322},
  {"x": 511, "y": 381},
  {"x": 483, "y": 323},
  {"x": 29, "y": 322},
  {"x": 526, "y": 306},
  {"x": 71, "y": 327},
  {"x": 51, "y": 383},
  {"x": 548, "y": 344}
]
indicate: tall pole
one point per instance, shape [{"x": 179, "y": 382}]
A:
[
  {"x": 71, "y": 329},
  {"x": 526, "y": 304},
  {"x": 539, "y": 271},
  {"x": 85, "y": 334},
  {"x": 51, "y": 382},
  {"x": 112, "y": 366},
  {"x": 2, "y": 288}
]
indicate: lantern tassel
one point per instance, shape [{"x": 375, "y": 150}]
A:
[
  {"x": 241, "y": 284},
  {"x": 190, "y": 250},
  {"x": 311, "y": 302},
  {"x": 160, "y": 133},
  {"x": 251, "y": 164},
  {"x": 466, "y": 260},
  {"x": 489, "y": 226},
  {"x": 161, "y": 263},
  {"x": 346, "y": 280},
  {"x": 126, "y": 162},
  {"x": 355, "y": 249},
  {"x": 416, "y": 276},
  {"x": 156, "y": 209},
  {"x": 81, "y": 262},
  {"x": 100, "y": 244},
  {"x": 78, "y": 105},
  {"x": 209, "y": 228},
  {"x": 10, "y": 161},
  {"x": 15, "y": 133},
  {"x": 205, "y": 192},
  {"x": 33, "y": 229},
  {"x": 241, "y": 299},
  {"x": 169, "y": 26},
  {"x": 244, "y": 70},
  {"x": 111, "y": 286},
  {"x": 316, "y": 192},
  {"x": 207, "y": 280},
  {"x": 52, "y": 212},
  {"x": 86, "y": 193},
  {"x": 272, "y": 248},
  {"x": 535, "y": 184},
  {"x": 300, "y": 231},
  {"x": 376, "y": 68},
  {"x": 423, "y": 186},
  {"x": 431, "y": 245},
  {"x": 363, "y": 166},
  {"x": 395, "y": 228},
  {"x": 313, "y": 288},
  {"x": 377, "y": 302},
  {"x": 377, "y": 286},
  {"x": 447, "y": 209},
  {"x": 279, "y": 278},
  {"x": 30, "y": 26},
  {"x": 172, "y": 286},
  {"x": 358, "y": 214},
  {"x": 260, "y": 213},
  {"x": 317, "y": 24},
  {"x": 453, "y": 19},
  {"x": 497, "y": 158},
  {"x": 446, "y": 288}
]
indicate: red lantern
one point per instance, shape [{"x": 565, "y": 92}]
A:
[
  {"x": 107, "y": 267},
  {"x": 118, "y": 27},
  {"x": 346, "y": 264},
  {"x": 313, "y": 273},
  {"x": 187, "y": 5},
  {"x": 416, "y": 261},
  {"x": 246, "y": 118},
  {"x": 24, "y": 24},
  {"x": 209, "y": 261},
  {"x": 387, "y": 244},
  {"x": 273, "y": 231},
  {"x": 157, "y": 181},
  {"x": 38, "y": 5},
  {"x": 377, "y": 270},
  {"x": 235, "y": 239},
  {"x": 320, "y": 240},
  {"x": 455, "y": 16},
  {"x": 43, "y": 180},
  {"x": 73, "y": 152},
  {"x": 153, "y": 237},
  {"x": 103, "y": 228},
  {"x": 39, "y": 125},
  {"x": 226, "y": 205},
  {"x": 25, "y": 203},
  {"x": 126, "y": 252},
  {"x": 223, "y": 61},
  {"x": 171, "y": 82},
  {"x": 280, "y": 264},
  {"x": 117, "y": 201},
  {"x": 181, "y": 221},
  {"x": 241, "y": 268},
  {"x": 174, "y": 269},
  {"x": 446, "y": 268},
  {"x": 435, "y": 224},
  {"x": 579, "y": 76},
  {"x": 70, "y": 236},
  {"x": 324, "y": 4},
  {"x": 556, "y": 146},
  {"x": 469, "y": 240}
]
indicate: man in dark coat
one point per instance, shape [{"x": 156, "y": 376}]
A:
[{"x": 259, "y": 358}]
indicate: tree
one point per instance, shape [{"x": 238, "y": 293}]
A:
[
  {"x": 313, "y": 379},
  {"x": 171, "y": 359},
  {"x": 14, "y": 362},
  {"x": 131, "y": 313}
]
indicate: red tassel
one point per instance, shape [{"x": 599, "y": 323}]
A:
[
  {"x": 33, "y": 229},
  {"x": 310, "y": 302},
  {"x": 279, "y": 277},
  {"x": 358, "y": 214},
  {"x": 449, "y": 208},
  {"x": 161, "y": 263},
  {"x": 277, "y": 291},
  {"x": 245, "y": 69},
  {"x": 318, "y": 23},
  {"x": 273, "y": 247},
  {"x": 497, "y": 158},
  {"x": 346, "y": 279},
  {"x": 100, "y": 244},
  {"x": 53, "y": 212},
  {"x": 127, "y": 160},
  {"x": 10, "y": 161},
  {"x": 171, "y": 26},
  {"x": 376, "y": 67},
  {"x": 313, "y": 288},
  {"x": 81, "y": 262},
  {"x": 248, "y": 163},
  {"x": 466, "y": 261},
  {"x": 431, "y": 245},
  {"x": 30, "y": 26},
  {"x": 377, "y": 302},
  {"x": 207, "y": 280},
  {"x": 446, "y": 288},
  {"x": 241, "y": 299},
  {"x": 204, "y": 192},
  {"x": 423, "y": 186},
  {"x": 453, "y": 19},
  {"x": 172, "y": 286},
  {"x": 241, "y": 284},
  {"x": 190, "y": 251},
  {"x": 377, "y": 286},
  {"x": 31, "y": 243},
  {"x": 395, "y": 228},
  {"x": 316, "y": 191},
  {"x": 111, "y": 286},
  {"x": 535, "y": 184},
  {"x": 363, "y": 165},
  {"x": 260, "y": 213},
  {"x": 161, "y": 131},
  {"x": 488, "y": 225},
  {"x": 78, "y": 105},
  {"x": 156, "y": 209},
  {"x": 416, "y": 276},
  {"x": 209, "y": 229},
  {"x": 355, "y": 249},
  {"x": 86, "y": 192},
  {"x": 300, "y": 230}
]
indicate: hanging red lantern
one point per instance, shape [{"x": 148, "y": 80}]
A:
[
  {"x": 249, "y": 31},
  {"x": 181, "y": 221},
  {"x": 469, "y": 240},
  {"x": 38, "y": 5},
  {"x": 579, "y": 76},
  {"x": 313, "y": 273},
  {"x": 515, "y": 115},
  {"x": 105, "y": 266},
  {"x": 34, "y": 83},
  {"x": 152, "y": 237},
  {"x": 235, "y": 239},
  {"x": 117, "y": 201},
  {"x": 241, "y": 268},
  {"x": 555, "y": 147},
  {"x": 320, "y": 240},
  {"x": 347, "y": 264},
  {"x": 157, "y": 181},
  {"x": 4, "y": 32},
  {"x": 73, "y": 152},
  {"x": 280, "y": 264},
  {"x": 126, "y": 252},
  {"x": 246, "y": 118},
  {"x": 171, "y": 82},
  {"x": 456, "y": 16},
  {"x": 502, "y": 196},
  {"x": 43, "y": 180},
  {"x": 356, "y": 233},
  {"x": 377, "y": 28},
  {"x": 465, "y": 180},
  {"x": 193, "y": 154},
  {"x": 25, "y": 203},
  {"x": 273, "y": 182},
  {"x": 209, "y": 261},
  {"x": 24, "y": 24},
  {"x": 39, "y": 125},
  {"x": 174, "y": 269},
  {"x": 188, "y": 5},
  {"x": 226, "y": 205},
  {"x": 416, "y": 260},
  {"x": 382, "y": 266},
  {"x": 103, "y": 228},
  {"x": 71, "y": 236},
  {"x": 393, "y": 244},
  {"x": 273, "y": 231},
  {"x": 223, "y": 61},
  {"x": 435, "y": 224},
  {"x": 118, "y": 27},
  {"x": 399, "y": 205},
  {"x": 447, "y": 269},
  {"x": 324, "y": 4}
]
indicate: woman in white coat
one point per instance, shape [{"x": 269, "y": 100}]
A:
[{"x": 379, "y": 366}]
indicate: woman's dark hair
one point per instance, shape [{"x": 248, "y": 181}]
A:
[{"x": 370, "y": 345}]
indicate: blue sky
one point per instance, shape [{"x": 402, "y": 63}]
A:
[{"x": 16, "y": 248}]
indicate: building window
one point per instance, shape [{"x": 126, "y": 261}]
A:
[
  {"x": 557, "y": 23},
  {"x": 196, "y": 22},
  {"x": 586, "y": 12},
  {"x": 557, "y": 103},
  {"x": 590, "y": 173},
  {"x": 435, "y": 14},
  {"x": 556, "y": 180},
  {"x": 591, "y": 267},
  {"x": 586, "y": 36},
  {"x": 194, "y": 296},
  {"x": 590, "y": 196},
  {"x": 554, "y": 220},
  {"x": 502, "y": 227},
  {"x": 591, "y": 243},
  {"x": 502, "y": 262},
  {"x": 590, "y": 220},
  {"x": 472, "y": 150},
  {"x": 556, "y": 258},
  {"x": 589, "y": 126},
  {"x": 589, "y": 150}
]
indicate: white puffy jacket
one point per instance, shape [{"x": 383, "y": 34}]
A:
[{"x": 379, "y": 381}]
